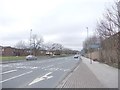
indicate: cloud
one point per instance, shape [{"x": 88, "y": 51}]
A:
[{"x": 61, "y": 21}]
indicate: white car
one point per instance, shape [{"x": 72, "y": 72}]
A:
[
  {"x": 76, "y": 56},
  {"x": 31, "y": 57}
]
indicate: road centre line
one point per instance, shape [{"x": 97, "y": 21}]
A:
[
  {"x": 15, "y": 77},
  {"x": 8, "y": 72}
]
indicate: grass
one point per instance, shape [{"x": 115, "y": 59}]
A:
[
  {"x": 12, "y": 57},
  {"x": 56, "y": 56},
  {"x": 7, "y": 58}
]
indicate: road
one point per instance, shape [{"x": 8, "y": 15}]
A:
[{"x": 36, "y": 74}]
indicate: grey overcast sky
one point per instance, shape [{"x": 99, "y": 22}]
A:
[{"x": 59, "y": 21}]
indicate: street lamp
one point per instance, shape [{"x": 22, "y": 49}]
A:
[
  {"x": 88, "y": 47},
  {"x": 30, "y": 42},
  {"x": 118, "y": 6}
]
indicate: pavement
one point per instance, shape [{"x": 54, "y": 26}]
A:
[{"x": 95, "y": 75}]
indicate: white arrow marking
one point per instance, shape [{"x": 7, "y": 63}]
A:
[{"x": 41, "y": 78}]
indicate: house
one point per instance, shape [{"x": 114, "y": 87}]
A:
[
  {"x": 8, "y": 51},
  {"x": 49, "y": 53},
  {"x": 0, "y": 50}
]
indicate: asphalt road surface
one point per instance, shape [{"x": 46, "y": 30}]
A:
[{"x": 37, "y": 73}]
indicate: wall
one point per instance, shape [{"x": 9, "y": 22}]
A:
[{"x": 8, "y": 51}]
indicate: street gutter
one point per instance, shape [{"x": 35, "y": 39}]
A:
[{"x": 63, "y": 81}]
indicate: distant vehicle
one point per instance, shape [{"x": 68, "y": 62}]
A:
[
  {"x": 31, "y": 57},
  {"x": 76, "y": 56}
]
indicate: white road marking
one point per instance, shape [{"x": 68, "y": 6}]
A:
[
  {"x": 53, "y": 69},
  {"x": 34, "y": 67},
  {"x": 47, "y": 67},
  {"x": 18, "y": 64},
  {"x": 6, "y": 66},
  {"x": 27, "y": 67},
  {"x": 8, "y": 71},
  {"x": 56, "y": 69},
  {"x": 41, "y": 78},
  {"x": 60, "y": 69},
  {"x": 21, "y": 67},
  {"x": 15, "y": 77},
  {"x": 66, "y": 70}
]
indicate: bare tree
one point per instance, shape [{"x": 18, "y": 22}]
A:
[
  {"x": 54, "y": 47},
  {"x": 48, "y": 46},
  {"x": 69, "y": 51},
  {"x": 21, "y": 45},
  {"x": 36, "y": 43},
  {"x": 57, "y": 46},
  {"x": 113, "y": 14},
  {"x": 91, "y": 43},
  {"x": 110, "y": 24}
]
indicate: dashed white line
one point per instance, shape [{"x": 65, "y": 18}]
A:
[
  {"x": 15, "y": 77},
  {"x": 47, "y": 67},
  {"x": 8, "y": 72},
  {"x": 6, "y": 66}
]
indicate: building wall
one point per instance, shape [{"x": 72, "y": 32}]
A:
[
  {"x": 0, "y": 50},
  {"x": 8, "y": 51},
  {"x": 39, "y": 52},
  {"x": 21, "y": 52}
]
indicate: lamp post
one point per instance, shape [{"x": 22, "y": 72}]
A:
[
  {"x": 88, "y": 47},
  {"x": 30, "y": 42},
  {"x": 118, "y": 6}
]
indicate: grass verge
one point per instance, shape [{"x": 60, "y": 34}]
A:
[{"x": 7, "y": 58}]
